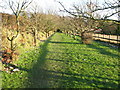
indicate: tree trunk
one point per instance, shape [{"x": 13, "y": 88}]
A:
[
  {"x": 74, "y": 36},
  {"x": 34, "y": 37},
  {"x": 46, "y": 35},
  {"x": 86, "y": 37}
]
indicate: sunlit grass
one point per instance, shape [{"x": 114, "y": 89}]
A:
[{"x": 62, "y": 62}]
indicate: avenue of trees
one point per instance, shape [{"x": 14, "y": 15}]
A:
[
  {"x": 22, "y": 26},
  {"x": 24, "y": 29},
  {"x": 87, "y": 19}
]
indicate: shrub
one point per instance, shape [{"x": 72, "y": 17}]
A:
[{"x": 86, "y": 37}]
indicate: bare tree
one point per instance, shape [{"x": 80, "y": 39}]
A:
[
  {"x": 89, "y": 14},
  {"x": 112, "y": 7},
  {"x": 35, "y": 25},
  {"x": 83, "y": 18},
  {"x": 17, "y": 8},
  {"x": 48, "y": 24},
  {"x": 94, "y": 8}
]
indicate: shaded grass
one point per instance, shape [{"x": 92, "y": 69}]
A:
[
  {"x": 38, "y": 75},
  {"x": 62, "y": 62},
  {"x": 20, "y": 79}
]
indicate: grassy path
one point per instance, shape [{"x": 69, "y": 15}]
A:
[{"x": 63, "y": 62}]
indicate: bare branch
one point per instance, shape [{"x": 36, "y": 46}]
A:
[
  {"x": 110, "y": 7},
  {"x": 66, "y": 9},
  {"x": 111, "y": 14},
  {"x": 11, "y": 7},
  {"x": 90, "y": 14}
]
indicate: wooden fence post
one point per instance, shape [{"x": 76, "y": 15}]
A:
[{"x": 118, "y": 37}]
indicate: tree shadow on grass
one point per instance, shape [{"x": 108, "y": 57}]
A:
[
  {"x": 58, "y": 52},
  {"x": 109, "y": 65},
  {"x": 71, "y": 79},
  {"x": 63, "y": 42},
  {"x": 103, "y": 50},
  {"x": 41, "y": 78},
  {"x": 37, "y": 76}
]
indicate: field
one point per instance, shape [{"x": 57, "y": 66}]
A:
[{"x": 62, "y": 62}]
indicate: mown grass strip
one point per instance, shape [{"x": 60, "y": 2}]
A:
[{"x": 62, "y": 62}]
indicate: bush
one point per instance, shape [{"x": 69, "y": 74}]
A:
[{"x": 86, "y": 37}]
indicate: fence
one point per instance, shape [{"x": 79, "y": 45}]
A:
[{"x": 114, "y": 39}]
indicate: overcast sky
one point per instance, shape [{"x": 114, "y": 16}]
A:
[
  {"x": 51, "y": 5},
  {"x": 45, "y": 5}
]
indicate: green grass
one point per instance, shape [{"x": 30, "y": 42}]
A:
[{"x": 62, "y": 62}]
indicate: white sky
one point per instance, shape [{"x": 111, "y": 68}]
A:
[{"x": 51, "y": 5}]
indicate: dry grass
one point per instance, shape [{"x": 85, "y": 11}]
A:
[{"x": 22, "y": 42}]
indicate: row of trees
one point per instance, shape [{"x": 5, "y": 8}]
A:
[
  {"x": 87, "y": 19},
  {"x": 17, "y": 28},
  {"x": 83, "y": 21}
]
